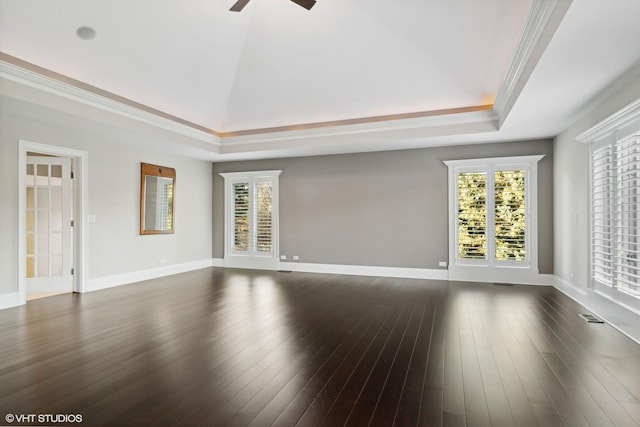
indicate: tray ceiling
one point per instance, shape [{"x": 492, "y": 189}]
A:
[{"x": 276, "y": 66}]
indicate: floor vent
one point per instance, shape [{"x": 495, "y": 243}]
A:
[
  {"x": 503, "y": 284},
  {"x": 285, "y": 271},
  {"x": 590, "y": 318}
]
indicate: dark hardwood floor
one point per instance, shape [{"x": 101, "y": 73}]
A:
[{"x": 222, "y": 347}]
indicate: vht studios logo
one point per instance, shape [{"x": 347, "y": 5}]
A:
[{"x": 43, "y": 418}]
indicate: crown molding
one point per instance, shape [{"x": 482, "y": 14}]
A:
[
  {"x": 543, "y": 21},
  {"x": 53, "y": 85},
  {"x": 618, "y": 120},
  {"x": 451, "y": 120},
  {"x": 361, "y": 120}
]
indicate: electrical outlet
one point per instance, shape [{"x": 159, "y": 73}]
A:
[
  {"x": 283, "y": 257},
  {"x": 296, "y": 257},
  {"x": 442, "y": 264},
  {"x": 163, "y": 261}
]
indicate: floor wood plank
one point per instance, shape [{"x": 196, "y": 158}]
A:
[{"x": 225, "y": 347}]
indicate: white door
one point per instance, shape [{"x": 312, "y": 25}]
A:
[{"x": 49, "y": 227}]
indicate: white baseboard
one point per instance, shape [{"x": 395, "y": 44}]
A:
[
  {"x": 569, "y": 289},
  {"x": 518, "y": 276},
  {"x": 363, "y": 270},
  {"x": 623, "y": 319},
  {"x": 546, "y": 279},
  {"x": 139, "y": 276},
  {"x": 11, "y": 299},
  {"x": 616, "y": 315}
]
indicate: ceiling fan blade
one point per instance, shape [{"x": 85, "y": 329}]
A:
[
  {"x": 307, "y": 4},
  {"x": 240, "y": 4}
]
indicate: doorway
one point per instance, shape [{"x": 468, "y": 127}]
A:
[
  {"x": 52, "y": 197},
  {"x": 49, "y": 257}
]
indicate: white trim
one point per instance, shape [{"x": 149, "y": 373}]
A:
[
  {"x": 252, "y": 259},
  {"x": 8, "y": 300},
  {"x": 491, "y": 270},
  {"x": 252, "y": 262},
  {"x": 609, "y": 132},
  {"x": 81, "y": 196},
  {"x": 435, "y": 121},
  {"x": 495, "y": 161},
  {"x": 139, "y": 276},
  {"x": 568, "y": 288},
  {"x": 546, "y": 279},
  {"x": 543, "y": 21},
  {"x": 365, "y": 270},
  {"x": 621, "y": 317},
  {"x": 47, "y": 84},
  {"x": 217, "y": 262},
  {"x": 620, "y": 119},
  {"x": 487, "y": 274},
  {"x": 251, "y": 174}
]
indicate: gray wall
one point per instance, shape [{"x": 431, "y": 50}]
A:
[
  {"x": 571, "y": 164},
  {"x": 378, "y": 209},
  {"x": 571, "y": 214},
  {"x": 114, "y": 156}
]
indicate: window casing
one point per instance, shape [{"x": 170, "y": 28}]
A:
[
  {"x": 614, "y": 206},
  {"x": 615, "y": 216},
  {"x": 492, "y": 219},
  {"x": 251, "y": 219}
]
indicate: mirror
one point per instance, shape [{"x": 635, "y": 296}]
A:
[{"x": 157, "y": 197}]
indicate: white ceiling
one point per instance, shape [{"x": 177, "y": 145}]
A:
[{"x": 277, "y": 64}]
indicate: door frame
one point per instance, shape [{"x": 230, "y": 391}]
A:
[{"x": 79, "y": 160}]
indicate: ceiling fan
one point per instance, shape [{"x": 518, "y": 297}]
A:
[{"x": 240, "y": 4}]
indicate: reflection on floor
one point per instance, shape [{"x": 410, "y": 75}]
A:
[
  {"x": 39, "y": 295},
  {"x": 226, "y": 347}
]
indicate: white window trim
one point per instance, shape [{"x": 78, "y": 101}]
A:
[
  {"x": 495, "y": 271},
  {"x": 235, "y": 259},
  {"x": 608, "y": 132}
]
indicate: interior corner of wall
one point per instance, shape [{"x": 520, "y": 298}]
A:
[{"x": 10, "y": 299}]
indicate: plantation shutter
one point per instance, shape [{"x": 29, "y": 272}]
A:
[
  {"x": 240, "y": 230},
  {"x": 627, "y": 210},
  {"x": 601, "y": 215},
  {"x": 509, "y": 215},
  {"x": 472, "y": 215},
  {"x": 251, "y": 219},
  {"x": 263, "y": 226}
]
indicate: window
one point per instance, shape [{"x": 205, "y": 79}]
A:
[
  {"x": 615, "y": 214},
  {"x": 601, "y": 215},
  {"x": 492, "y": 206},
  {"x": 251, "y": 219},
  {"x": 615, "y": 206}
]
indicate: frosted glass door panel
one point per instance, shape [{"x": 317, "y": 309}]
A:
[{"x": 48, "y": 224}]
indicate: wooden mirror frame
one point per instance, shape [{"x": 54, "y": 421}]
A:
[{"x": 149, "y": 170}]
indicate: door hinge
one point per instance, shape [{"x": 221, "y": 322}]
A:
[
  {"x": 73, "y": 223},
  {"x": 72, "y": 271},
  {"x": 71, "y": 174}
]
